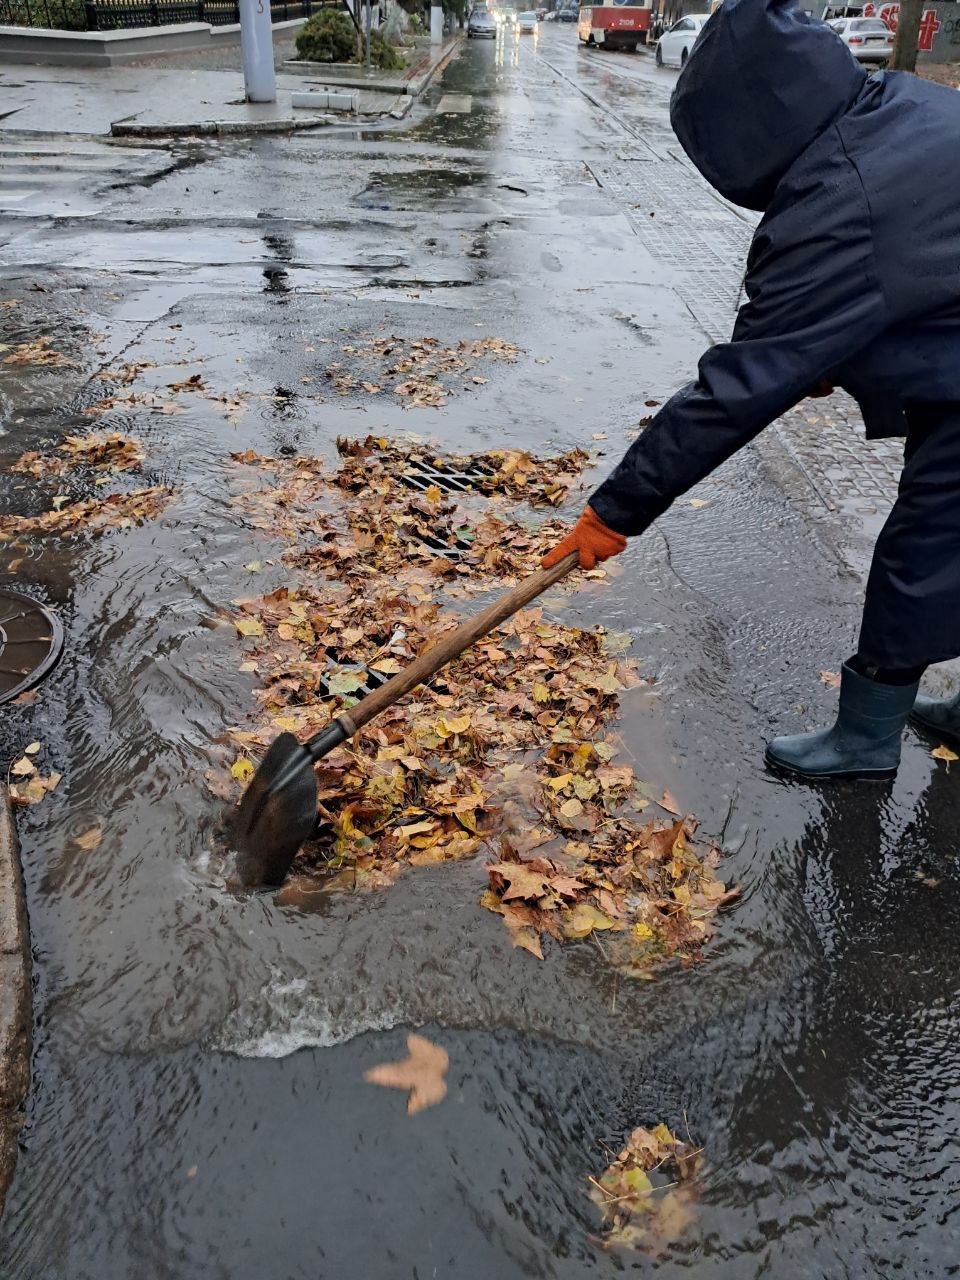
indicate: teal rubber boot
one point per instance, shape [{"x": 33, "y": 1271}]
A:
[
  {"x": 864, "y": 742},
  {"x": 940, "y": 716}
]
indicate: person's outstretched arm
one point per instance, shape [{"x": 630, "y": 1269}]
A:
[{"x": 814, "y": 302}]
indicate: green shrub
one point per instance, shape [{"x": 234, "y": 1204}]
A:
[
  {"x": 329, "y": 36},
  {"x": 382, "y": 52},
  {"x": 59, "y": 15}
]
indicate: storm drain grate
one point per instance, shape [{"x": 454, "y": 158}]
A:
[
  {"x": 31, "y": 642},
  {"x": 451, "y": 550},
  {"x": 424, "y": 475}
]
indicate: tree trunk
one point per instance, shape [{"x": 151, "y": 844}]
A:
[{"x": 908, "y": 33}]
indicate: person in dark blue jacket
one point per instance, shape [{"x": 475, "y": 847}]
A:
[{"x": 853, "y": 280}]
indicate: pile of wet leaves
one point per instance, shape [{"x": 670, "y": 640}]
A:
[
  {"x": 93, "y": 452},
  {"x": 98, "y": 457},
  {"x": 374, "y": 465},
  {"x": 646, "y": 1194},
  {"x": 509, "y": 751},
  {"x": 37, "y": 353},
  {"x": 423, "y": 372},
  {"x": 25, "y": 783},
  {"x": 91, "y": 515}
]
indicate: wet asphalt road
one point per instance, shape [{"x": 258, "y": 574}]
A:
[{"x": 198, "y": 1106}]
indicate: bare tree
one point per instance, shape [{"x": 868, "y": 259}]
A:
[{"x": 908, "y": 34}]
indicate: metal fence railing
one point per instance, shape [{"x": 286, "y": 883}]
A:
[{"x": 113, "y": 15}]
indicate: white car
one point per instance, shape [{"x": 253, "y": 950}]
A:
[
  {"x": 528, "y": 24},
  {"x": 868, "y": 39},
  {"x": 673, "y": 47}
]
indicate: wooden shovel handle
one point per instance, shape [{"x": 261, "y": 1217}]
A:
[{"x": 431, "y": 660}]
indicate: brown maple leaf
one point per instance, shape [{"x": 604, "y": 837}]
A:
[
  {"x": 422, "y": 1072},
  {"x": 668, "y": 802},
  {"x": 523, "y": 880}
]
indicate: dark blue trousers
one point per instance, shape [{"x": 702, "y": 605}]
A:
[{"x": 911, "y": 614}]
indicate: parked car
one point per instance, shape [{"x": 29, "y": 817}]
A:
[
  {"x": 481, "y": 25},
  {"x": 673, "y": 47},
  {"x": 528, "y": 24},
  {"x": 567, "y": 14},
  {"x": 868, "y": 39}
]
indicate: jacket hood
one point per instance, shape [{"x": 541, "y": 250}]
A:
[{"x": 761, "y": 83}]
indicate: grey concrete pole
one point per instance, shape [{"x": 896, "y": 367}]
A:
[{"x": 256, "y": 46}]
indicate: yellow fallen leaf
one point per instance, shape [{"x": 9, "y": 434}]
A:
[
  {"x": 449, "y": 728},
  {"x": 32, "y": 750},
  {"x": 698, "y": 502},
  {"x": 541, "y": 693},
  {"x": 23, "y": 768},
  {"x": 242, "y": 769},
  {"x": 434, "y": 493},
  {"x": 249, "y": 626},
  {"x": 422, "y": 1072},
  {"x": 558, "y": 783},
  {"x": 415, "y": 828},
  {"x": 938, "y": 753},
  {"x": 572, "y": 808},
  {"x": 386, "y": 666},
  {"x": 583, "y": 919},
  {"x": 254, "y": 566},
  {"x": 526, "y": 937}
]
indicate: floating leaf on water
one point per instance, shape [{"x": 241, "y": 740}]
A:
[{"x": 422, "y": 1073}]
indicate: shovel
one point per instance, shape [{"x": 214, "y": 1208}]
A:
[{"x": 278, "y": 810}]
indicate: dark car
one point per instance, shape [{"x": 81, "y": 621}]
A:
[
  {"x": 481, "y": 23},
  {"x": 567, "y": 14}
]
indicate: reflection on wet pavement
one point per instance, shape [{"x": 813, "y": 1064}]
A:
[{"x": 172, "y": 1129}]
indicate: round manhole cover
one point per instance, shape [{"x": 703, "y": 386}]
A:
[{"x": 31, "y": 641}]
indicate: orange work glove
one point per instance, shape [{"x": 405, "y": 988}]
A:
[{"x": 592, "y": 538}]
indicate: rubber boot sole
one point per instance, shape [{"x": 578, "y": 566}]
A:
[{"x": 852, "y": 775}]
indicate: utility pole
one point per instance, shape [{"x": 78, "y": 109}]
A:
[
  {"x": 256, "y": 46},
  {"x": 366, "y": 24},
  {"x": 908, "y": 35}
]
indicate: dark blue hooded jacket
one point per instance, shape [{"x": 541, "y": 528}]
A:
[{"x": 854, "y": 271}]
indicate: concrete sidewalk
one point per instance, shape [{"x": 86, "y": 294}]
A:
[
  {"x": 159, "y": 102},
  {"x": 411, "y": 80},
  {"x": 14, "y": 995}
]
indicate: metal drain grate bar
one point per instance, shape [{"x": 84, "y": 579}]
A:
[
  {"x": 426, "y": 474},
  {"x": 452, "y": 550}
]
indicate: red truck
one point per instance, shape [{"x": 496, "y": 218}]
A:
[{"x": 621, "y": 25}]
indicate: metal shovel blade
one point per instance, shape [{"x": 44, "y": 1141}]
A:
[{"x": 276, "y": 814}]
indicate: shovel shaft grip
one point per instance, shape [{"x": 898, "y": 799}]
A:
[{"x": 431, "y": 660}]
